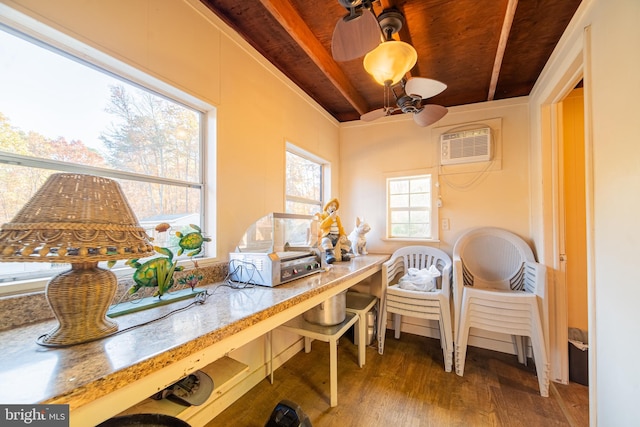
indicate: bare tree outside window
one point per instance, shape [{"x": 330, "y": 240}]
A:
[
  {"x": 59, "y": 114},
  {"x": 304, "y": 185}
]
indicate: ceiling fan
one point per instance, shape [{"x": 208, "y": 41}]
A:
[
  {"x": 356, "y": 33},
  {"x": 360, "y": 33},
  {"x": 409, "y": 95}
]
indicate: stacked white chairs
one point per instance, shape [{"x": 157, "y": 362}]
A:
[
  {"x": 499, "y": 287},
  {"x": 432, "y": 305}
]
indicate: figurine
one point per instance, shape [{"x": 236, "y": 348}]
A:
[
  {"x": 358, "y": 237},
  {"x": 193, "y": 240},
  {"x": 332, "y": 233},
  {"x": 158, "y": 272},
  {"x": 155, "y": 273}
]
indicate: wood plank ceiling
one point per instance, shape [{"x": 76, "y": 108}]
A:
[{"x": 482, "y": 49}]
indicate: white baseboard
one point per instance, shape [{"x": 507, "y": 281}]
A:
[{"x": 477, "y": 338}]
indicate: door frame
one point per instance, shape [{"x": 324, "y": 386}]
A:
[{"x": 570, "y": 69}]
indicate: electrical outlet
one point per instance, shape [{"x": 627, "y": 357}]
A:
[{"x": 444, "y": 223}]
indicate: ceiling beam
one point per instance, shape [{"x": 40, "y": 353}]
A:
[
  {"x": 502, "y": 45},
  {"x": 284, "y": 12}
]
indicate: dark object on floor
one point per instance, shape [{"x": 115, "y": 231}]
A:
[
  {"x": 193, "y": 389},
  {"x": 578, "y": 356},
  {"x": 288, "y": 414},
  {"x": 144, "y": 420}
]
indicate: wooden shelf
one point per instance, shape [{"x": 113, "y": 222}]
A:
[{"x": 225, "y": 373}]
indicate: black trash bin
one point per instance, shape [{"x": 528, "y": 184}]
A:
[
  {"x": 578, "y": 356},
  {"x": 144, "y": 420}
]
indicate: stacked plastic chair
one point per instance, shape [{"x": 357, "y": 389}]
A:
[
  {"x": 434, "y": 305},
  {"x": 499, "y": 287}
]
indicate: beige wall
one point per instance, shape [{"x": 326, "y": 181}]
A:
[
  {"x": 600, "y": 43},
  {"x": 497, "y": 197},
  {"x": 481, "y": 194},
  {"x": 180, "y": 42}
]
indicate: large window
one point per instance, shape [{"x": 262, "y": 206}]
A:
[
  {"x": 410, "y": 213},
  {"x": 58, "y": 113},
  {"x": 304, "y": 183}
]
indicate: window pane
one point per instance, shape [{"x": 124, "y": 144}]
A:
[
  {"x": 304, "y": 184},
  {"x": 302, "y": 208},
  {"x": 399, "y": 186},
  {"x": 152, "y": 203},
  {"x": 399, "y": 216},
  {"x": 59, "y": 114},
  {"x": 420, "y": 200},
  {"x": 303, "y": 177},
  {"x": 419, "y": 230},
  {"x": 421, "y": 185},
  {"x": 400, "y": 230},
  {"x": 409, "y": 207},
  {"x": 60, "y": 109},
  {"x": 420, "y": 217},
  {"x": 400, "y": 201}
]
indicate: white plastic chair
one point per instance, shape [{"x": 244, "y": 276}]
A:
[
  {"x": 434, "y": 305},
  {"x": 499, "y": 287}
]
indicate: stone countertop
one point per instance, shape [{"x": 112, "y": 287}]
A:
[{"x": 82, "y": 373}]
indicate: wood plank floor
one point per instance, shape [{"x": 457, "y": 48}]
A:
[{"x": 407, "y": 386}]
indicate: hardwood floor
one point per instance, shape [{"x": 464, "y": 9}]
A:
[{"x": 407, "y": 386}]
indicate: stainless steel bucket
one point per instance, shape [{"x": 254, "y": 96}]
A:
[{"x": 330, "y": 312}]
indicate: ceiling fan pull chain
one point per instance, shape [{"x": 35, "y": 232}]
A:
[{"x": 387, "y": 97}]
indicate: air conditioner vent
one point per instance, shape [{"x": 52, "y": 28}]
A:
[{"x": 465, "y": 146}]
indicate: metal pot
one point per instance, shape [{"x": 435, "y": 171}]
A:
[{"x": 330, "y": 312}]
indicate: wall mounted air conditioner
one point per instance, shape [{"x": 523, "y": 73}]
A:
[{"x": 466, "y": 146}]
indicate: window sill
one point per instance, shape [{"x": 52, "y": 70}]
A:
[
  {"x": 21, "y": 287},
  {"x": 408, "y": 239}
]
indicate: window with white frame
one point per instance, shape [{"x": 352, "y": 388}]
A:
[
  {"x": 410, "y": 207},
  {"x": 304, "y": 182},
  {"x": 59, "y": 113}
]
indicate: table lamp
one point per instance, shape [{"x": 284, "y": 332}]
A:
[{"x": 81, "y": 220}]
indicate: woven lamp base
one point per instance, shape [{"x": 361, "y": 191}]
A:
[{"x": 80, "y": 298}]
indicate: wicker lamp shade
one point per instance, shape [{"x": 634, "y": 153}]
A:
[
  {"x": 78, "y": 219},
  {"x": 74, "y": 218}
]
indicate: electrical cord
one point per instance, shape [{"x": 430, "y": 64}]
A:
[
  {"x": 199, "y": 299},
  {"x": 236, "y": 268}
]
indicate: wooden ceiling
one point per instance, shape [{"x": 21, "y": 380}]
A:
[{"x": 482, "y": 49}]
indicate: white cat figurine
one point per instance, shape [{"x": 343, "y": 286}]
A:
[{"x": 358, "y": 238}]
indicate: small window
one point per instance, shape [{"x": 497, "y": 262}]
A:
[
  {"x": 410, "y": 213},
  {"x": 304, "y": 184}
]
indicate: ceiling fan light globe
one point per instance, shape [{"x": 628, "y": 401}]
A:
[{"x": 390, "y": 61}]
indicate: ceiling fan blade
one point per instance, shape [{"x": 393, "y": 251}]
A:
[
  {"x": 355, "y": 35},
  {"x": 373, "y": 115},
  {"x": 429, "y": 115},
  {"x": 425, "y": 88}
]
